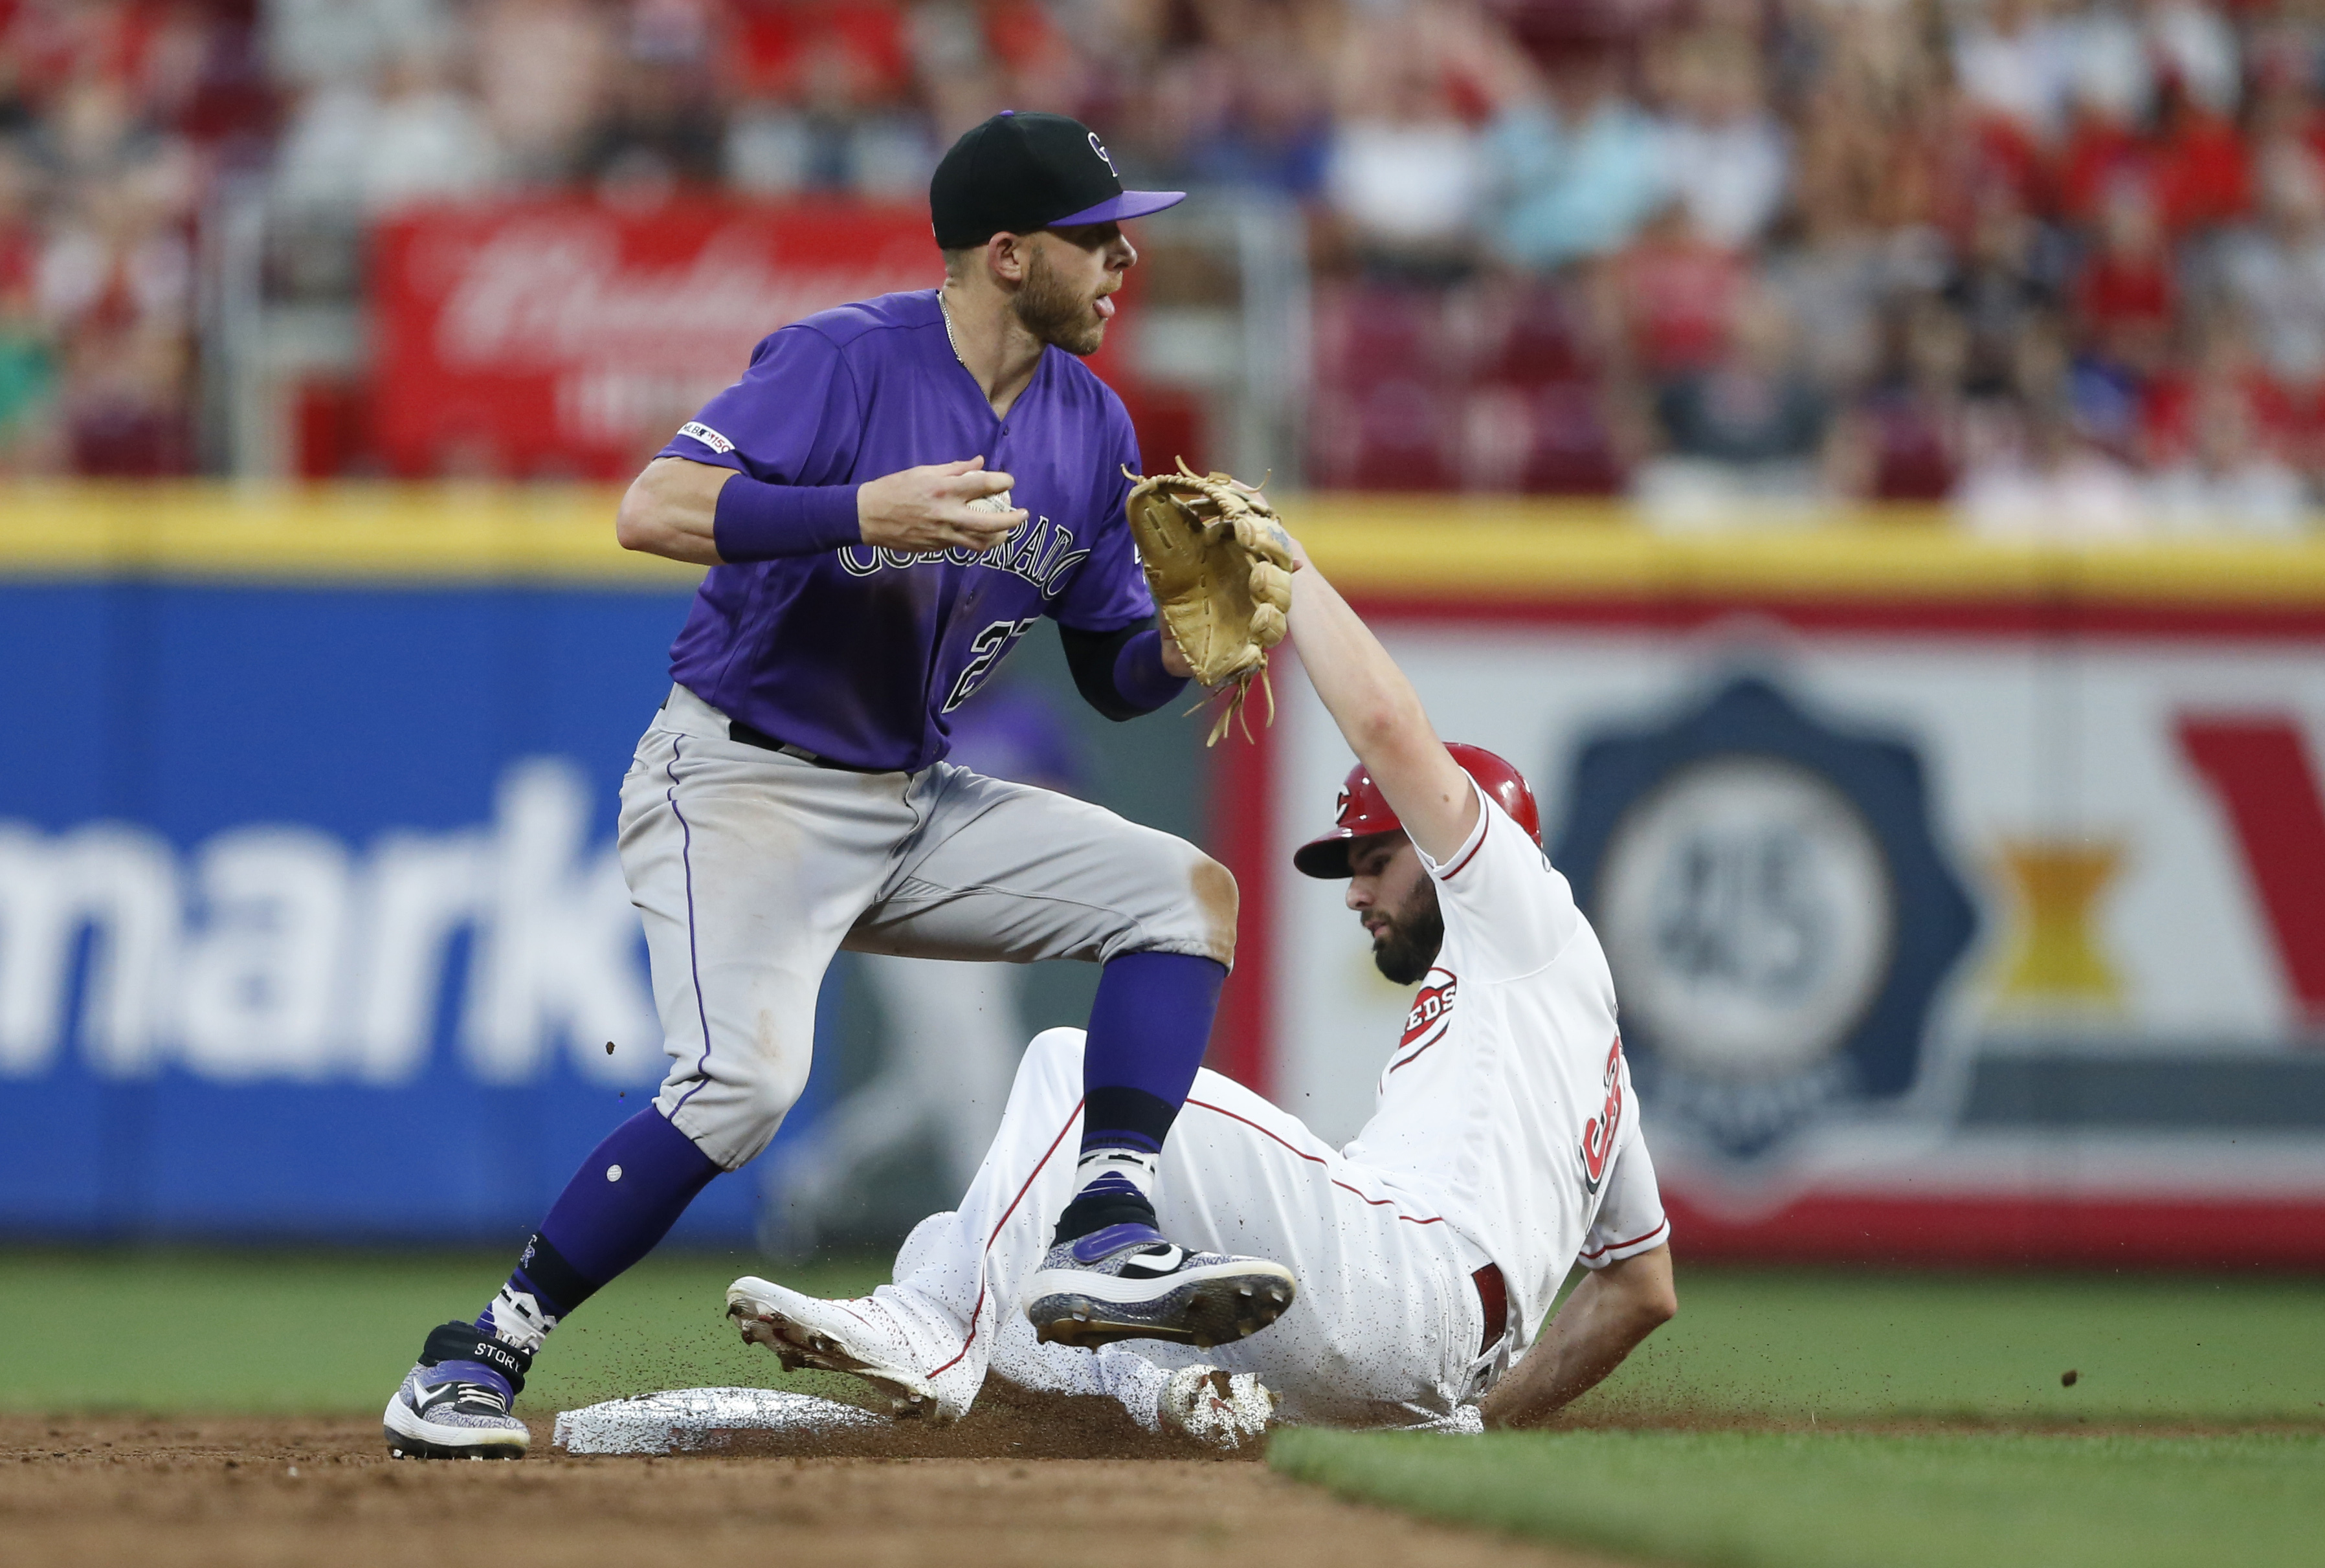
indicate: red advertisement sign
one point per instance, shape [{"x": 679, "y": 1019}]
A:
[{"x": 568, "y": 339}]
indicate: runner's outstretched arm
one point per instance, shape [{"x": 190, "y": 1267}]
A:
[
  {"x": 1601, "y": 1324},
  {"x": 1380, "y": 716}
]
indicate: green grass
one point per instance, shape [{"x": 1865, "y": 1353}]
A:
[
  {"x": 332, "y": 1333},
  {"x": 1794, "y": 1347},
  {"x": 321, "y": 1332},
  {"x": 1736, "y": 1499},
  {"x": 1843, "y": 1346}
]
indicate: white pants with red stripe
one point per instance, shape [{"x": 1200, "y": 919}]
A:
[{"x": 1384, "y": 1330}]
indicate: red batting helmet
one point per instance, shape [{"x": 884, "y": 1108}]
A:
[{"x": 1365, "y": 810}]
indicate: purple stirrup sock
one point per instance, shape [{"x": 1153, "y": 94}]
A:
[
  {"x": 1148, "y": 1030},
  {"x": 623, "y": 1199}
]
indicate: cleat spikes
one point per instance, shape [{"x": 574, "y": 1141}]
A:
[{"x": 860, "y": 1338}]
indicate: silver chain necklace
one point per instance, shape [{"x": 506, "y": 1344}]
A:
[{"x": 952, "y": 342}]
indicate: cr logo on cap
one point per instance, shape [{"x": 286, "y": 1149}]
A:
[{"x": 1098, "y": 147}]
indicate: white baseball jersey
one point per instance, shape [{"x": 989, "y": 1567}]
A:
[
  {"x": 1506, "y": 1133},
  {"x": 1508, "y": 1100}
]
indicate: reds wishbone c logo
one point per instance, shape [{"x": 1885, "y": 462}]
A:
[{"x": 1098, "y": 147}]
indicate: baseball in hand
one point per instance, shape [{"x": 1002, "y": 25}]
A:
[{"x": 1000, "y": 503}]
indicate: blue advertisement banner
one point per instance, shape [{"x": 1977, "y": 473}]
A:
[{"x": 310, "y": 923}]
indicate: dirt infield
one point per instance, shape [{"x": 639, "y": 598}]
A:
[{"x": 254, "y": 1493}]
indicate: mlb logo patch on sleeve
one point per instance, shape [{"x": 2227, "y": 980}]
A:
[{"x": 706, "y": 435}]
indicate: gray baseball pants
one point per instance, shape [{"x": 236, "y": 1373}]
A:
[{"x": 750, "y": 868}]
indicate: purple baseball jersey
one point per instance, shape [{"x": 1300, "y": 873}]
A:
[{"x": 859, "y": 654}]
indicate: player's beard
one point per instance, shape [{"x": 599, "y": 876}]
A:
[
  {"x": 1406, "y": 943},
  {"x": 1054, "y": 312}
]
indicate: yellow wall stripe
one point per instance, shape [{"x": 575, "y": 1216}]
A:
[
  {"x": 1498, "y": 548},
  {"x": 339, "y": 533},
  {"x": 1522, "y": 551}
]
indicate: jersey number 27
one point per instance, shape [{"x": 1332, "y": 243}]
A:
[{"x": 986, "y": 650}]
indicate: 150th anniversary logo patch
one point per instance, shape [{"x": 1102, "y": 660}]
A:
[{"x": 1774, "y": 909}]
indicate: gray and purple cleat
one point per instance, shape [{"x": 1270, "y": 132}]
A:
[
  {"x": 455, "y": 1403},
  {"x": 1129, "y": 1282}
]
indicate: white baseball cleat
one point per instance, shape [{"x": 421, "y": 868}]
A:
[
  {"x": 925, "y": 1374},
  {"x": 1218, "y": 1409}
]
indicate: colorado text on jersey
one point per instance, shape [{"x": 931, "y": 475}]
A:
[{"x": 1040, "y": 551}]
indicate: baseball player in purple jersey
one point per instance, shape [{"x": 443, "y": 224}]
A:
[{"x": 895, "y": 493}]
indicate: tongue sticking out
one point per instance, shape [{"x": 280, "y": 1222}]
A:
[{"x": 1106, "y": 307}]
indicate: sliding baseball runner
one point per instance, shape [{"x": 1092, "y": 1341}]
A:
[
  {"x": 894, "y": 494},
  {"x": 1505, "y": 1147}
]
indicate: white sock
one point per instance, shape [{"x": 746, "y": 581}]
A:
[
  {"x": 519, "y": 1319},
  {"x": 1109, "y": 1170}
]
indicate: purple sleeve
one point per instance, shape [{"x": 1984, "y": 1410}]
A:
[
  {"x": 1109, "y": 589},
  {"x": 765, "y": 523},
  {"x": 794, "y": 417},
  {"x": 1139, "y": 675}
]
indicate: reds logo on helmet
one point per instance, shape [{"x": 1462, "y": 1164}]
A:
[{"x": 1598, "y": 1132}]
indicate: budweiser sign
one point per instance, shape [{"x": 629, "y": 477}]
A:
[{"x": 570, "y": 339}]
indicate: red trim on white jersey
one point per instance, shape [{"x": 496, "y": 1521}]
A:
[
  {"x": 1484, "y": 827},
  {"x": 978, "y": 1312},
  {"x": 1416, "y": 1055},
  {"x": 1318, "y": 1159},
  {"x": 1608, "y": 1252}
]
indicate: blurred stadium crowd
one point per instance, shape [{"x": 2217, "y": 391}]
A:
[{"x": 2062, "y": 264}]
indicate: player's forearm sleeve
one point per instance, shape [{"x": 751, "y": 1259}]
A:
[
  {"x": 758, "y": 521},
  {"x": 1139, "y": 675},
  {"x": 1120, "y": 673}
]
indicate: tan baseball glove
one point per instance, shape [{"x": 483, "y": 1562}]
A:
[{"x": 1220, "y": 567}]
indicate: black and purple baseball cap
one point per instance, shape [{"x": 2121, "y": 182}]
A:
[{"x": 1016, "y": 173}]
